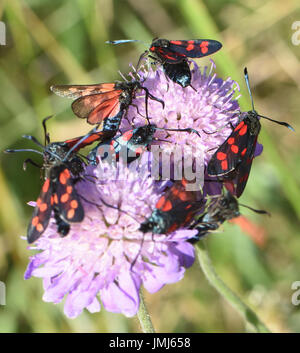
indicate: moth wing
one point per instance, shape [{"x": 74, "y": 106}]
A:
[
  {"x": 66, "y": 198},
  {"x": 41, "y": 214},
  {"x": 77, "y": 91}
]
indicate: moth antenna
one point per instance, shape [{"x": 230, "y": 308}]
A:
[
  {"x": 23, "y": 150},
  {"x": 32, "y": 138},
  {"x": 123, "y": 41},
  {"x": 278, "y": 122},
  {"x": 255, "y": 210},
  {"x": 46, "y": 134},
  {"x": 248, "y": 86},
  {"x": 262, "y": 116},
  {"x": 32, "y": 150},
  {"x": 189, "y": 130}
]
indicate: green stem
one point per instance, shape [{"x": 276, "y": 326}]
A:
[
  {"x": 144, "y": 317},
  {"x": 208, "y": 269}
]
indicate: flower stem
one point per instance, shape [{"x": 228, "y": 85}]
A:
[
  {"x": 144, "y": 317},
  {"x": 210, "y": 273}
]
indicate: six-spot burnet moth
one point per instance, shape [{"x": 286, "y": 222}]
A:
[
  {"x": 104, "y": 105},
  {"x": 233, "y": 159},
  {"x": 220, "y": 209},
  {"x": 62, "y": 165},
  {"x": 173, "y": 55},
  {"x": 174, "y": 209},
  {"x": 129, "y": 145}
]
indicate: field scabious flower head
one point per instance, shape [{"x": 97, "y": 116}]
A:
[
  {"x": 106, "y": 254},
  {"x": 209, "y": 105},
  {"x": 106, "y": 257}
]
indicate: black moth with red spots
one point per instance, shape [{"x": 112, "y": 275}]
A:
[
  {"x": 62, "y": 168},
  {"x": 232, "y": 161},
  {"x": 176, "y": 51},
  {"x": 129, "y": 146},
  {"x": 58, "y": 194},
  {"x": 173, "y": 55},
  {"x": 173, "y": 210}
]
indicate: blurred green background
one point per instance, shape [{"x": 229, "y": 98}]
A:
[{"x": 54, "y": 41}]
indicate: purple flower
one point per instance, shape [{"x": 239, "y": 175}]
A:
[
  {"x": 106, "y": 257},
  {"x": 209, "y": 107},
  {"x": 106, "y": 254}
]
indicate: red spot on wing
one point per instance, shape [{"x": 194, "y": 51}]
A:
[
  {"x": 244, "y": 151},
  {"x": 243, "y": 130},
  {"x": 221, "y": 156},
  {"x": 35, "y": 221},
  {"x": 160, "y": 202},
  {"x": 176, "y": 42},
  {"x": 224, "y": 165},
  {"x": 64, "y": 198},
  {"x": 240, "y": 125},
  {"x": 64, "y": 176},
  {"x": 191, "y": 45},
  {"x": 204, "y": 47},
  {"x": 43, "y": 207},
  {"x": 169, "y": 57},
  {"x": 74, "y": 204},
  {"x": 46, "y": 185},
  {"x": 167, "y": 206},
  {"x": 71, "y": 213},
  {"x": 234, "y": 148},
  {"x": 39, "y": 227},
  {"x": 231, "y": 140},
  {"x": 55, "y": 198}
]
